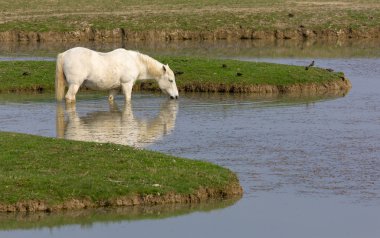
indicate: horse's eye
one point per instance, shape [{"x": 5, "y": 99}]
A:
[{"x": 170, "y": 80}]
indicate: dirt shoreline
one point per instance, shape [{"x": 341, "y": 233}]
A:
[
  {"x": 340, "y": 85},
  {"x": 233, "y": 190},
  {"x": 120, "y": 34}
]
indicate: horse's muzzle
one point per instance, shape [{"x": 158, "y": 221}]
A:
[{"x": 172, "y": 97}]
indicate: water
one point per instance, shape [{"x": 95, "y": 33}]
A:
[
  {"x": 258, "y": 48},
  {"x": 310, "y": 166}
]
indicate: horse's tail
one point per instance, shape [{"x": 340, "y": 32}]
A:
[{"x": 59, "y": 79}]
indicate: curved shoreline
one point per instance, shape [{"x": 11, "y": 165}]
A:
[
  {"x": 49, "y": 174},
  {"x": 233, "y": 190},
  {"x": 90, "y": 34},
  {"x": 338, "y": 86}
]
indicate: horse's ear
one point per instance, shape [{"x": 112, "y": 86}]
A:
[{"x": 164, "y": 68}]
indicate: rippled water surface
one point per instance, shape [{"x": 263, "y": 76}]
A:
[{"x": 310, "y": 166}]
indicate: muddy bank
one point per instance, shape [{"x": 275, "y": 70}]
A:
[
  {"x": 121, "y": 34},
  {"x": 342, "y": 85},
  {"x": 233, "y": 190},
  {"x": 336, "y": 87}
]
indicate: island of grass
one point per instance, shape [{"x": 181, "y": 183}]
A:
[
  {"x": 48, "y": 174},
  {"x": 196, "y": 75}
]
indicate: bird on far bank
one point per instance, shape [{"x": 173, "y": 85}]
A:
[{"x": 310, "y": 65}]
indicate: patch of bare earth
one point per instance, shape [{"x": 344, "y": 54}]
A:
[{"x": 337, "y": 87}]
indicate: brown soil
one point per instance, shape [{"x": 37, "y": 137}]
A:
[
  {"x": 338, "y": 87},
  {"x": 341, "y": 86},
  {"x": 233, "y": 190},
  {"x": 120, "y": 35}
]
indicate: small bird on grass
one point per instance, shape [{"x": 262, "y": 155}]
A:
[
  {"x": 310, "y": 65},
  {"x": 239, "y": 74}
]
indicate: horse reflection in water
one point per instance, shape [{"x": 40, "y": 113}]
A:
[{"x": 116, "y": 126}]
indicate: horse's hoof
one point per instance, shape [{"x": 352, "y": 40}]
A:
[{"x": 70, "y": 101}]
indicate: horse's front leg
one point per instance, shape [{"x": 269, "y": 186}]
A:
[{"x": 127, "y": 90}]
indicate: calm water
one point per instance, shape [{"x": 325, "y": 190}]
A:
[{"x": 310, "y": 166}]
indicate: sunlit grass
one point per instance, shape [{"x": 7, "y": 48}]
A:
[
  {"x": 57, "y": 170},
  {"x": 41, "y": 16}
]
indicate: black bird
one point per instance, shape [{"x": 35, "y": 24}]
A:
[
  {"x": 239, "y": 74},
  {"x": 224, "y": 66},
  {"x": 310, "y": 65}
]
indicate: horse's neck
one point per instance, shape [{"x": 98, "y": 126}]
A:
[{"x": 151, "y": 68}]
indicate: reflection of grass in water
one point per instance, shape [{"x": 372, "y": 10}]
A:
[
  {"x": 26, "y": 97},
  {"x": 87, "y": 217},
  {"x": 47, "y": 96},
  {"x": 197, "y": 99},
  {"x": 256, "y": 100},
  {"x": 219, "y": 48}
]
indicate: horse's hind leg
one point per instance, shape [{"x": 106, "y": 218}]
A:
[{"x": 70, "y": 95}]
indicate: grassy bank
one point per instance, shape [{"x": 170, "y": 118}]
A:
[
  {"x": 199, "y": 74},
  {"x": 38, "y": 173},
  {"x": 174, "y": 15}
]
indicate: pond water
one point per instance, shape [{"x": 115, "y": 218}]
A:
[{"x": 309, "y": 165}]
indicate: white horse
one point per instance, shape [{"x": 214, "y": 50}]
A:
[{"x": 118, "y": 69}]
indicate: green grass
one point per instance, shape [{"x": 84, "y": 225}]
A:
[
  {"x": 211, "y": 72},
  {"x": 55, "y": 170},
  {"x": 27, "y": 76},
  {"x": 58, "y": 16},
  {"x": 207, "y": 73}
]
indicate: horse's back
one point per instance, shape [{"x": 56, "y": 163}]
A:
[
  {"x": 100, "y": 70},
  {"x": 80, "y": 55}
]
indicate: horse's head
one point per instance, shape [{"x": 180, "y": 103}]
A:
[{"x": 167, "y": 82}]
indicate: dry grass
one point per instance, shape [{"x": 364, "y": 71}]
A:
[{"x": 54, "y": 15}]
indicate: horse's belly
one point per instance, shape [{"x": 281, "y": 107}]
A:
[{"x": 101, "y": 84}]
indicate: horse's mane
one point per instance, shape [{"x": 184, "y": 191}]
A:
[{"x": 153, "y": 66}]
